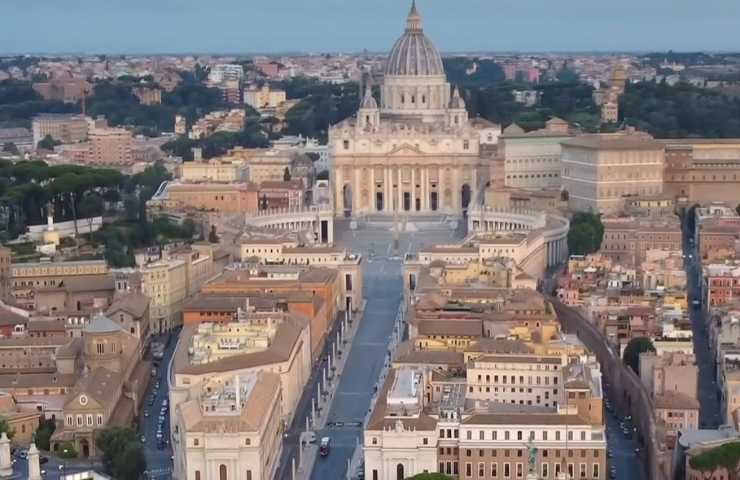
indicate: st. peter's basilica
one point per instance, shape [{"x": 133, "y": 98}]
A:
[{"x": 417, "y": 152}]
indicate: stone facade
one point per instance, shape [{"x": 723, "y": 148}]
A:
[
  {"x": 702, "y": 170},
  {"x": 600, "y": 171},
  {"x": 415, "y": 151}
]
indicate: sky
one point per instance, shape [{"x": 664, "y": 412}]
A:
[{"x": 275, "y": 26}]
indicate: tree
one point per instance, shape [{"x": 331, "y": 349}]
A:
[
  {"x": 67, "y": 450},
  {"x": 123, "y": 457},
  {"x": 725, "y": 457},
  {"x": 130, "y": 463},
  {"x": 44, "y": 432},
  {"x": 48, "y": 143},
  {"x": 634, "y": 348},
  {"x": 5, "y": 427},
  {"x": 91, "y": 206},
  {"x": 586, "y": 233},
  {"x": 286, "y": 174}
]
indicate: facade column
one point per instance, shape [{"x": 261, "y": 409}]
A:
[
  {"x": 387, "y": 191},
  {"x": 373, "y": 189},
  {"x": 356, "y": 193},
  {"x": 456, "y": 191},
  {"x": 399, "y": 177},
  {"x": 413, "y": 188},
  {"x": 425, "y": 189},
  {"x": 338, "y": 191},
  {"x": 440, "y": 189}
]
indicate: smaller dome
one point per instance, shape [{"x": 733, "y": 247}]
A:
[{"x": 368, "y": 101}]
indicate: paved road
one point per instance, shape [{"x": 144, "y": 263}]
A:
[
  {"x": 303, "y": 410},
  {"x": 626, "y": 466},
  {"x": 383, "y": 292},
  {"x": 158, "y": 460},
  {"x": 709, "y": 402}
]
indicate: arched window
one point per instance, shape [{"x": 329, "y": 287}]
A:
[
  {"x": 399, "y": 472},
  {"x": 222, "y": 472}
]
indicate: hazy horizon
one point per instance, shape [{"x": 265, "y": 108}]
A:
[{"x": 239, "y": 27}]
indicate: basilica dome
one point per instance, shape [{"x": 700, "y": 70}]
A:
[{"x": 414, "y": 54}]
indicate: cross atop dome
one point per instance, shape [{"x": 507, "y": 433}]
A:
[{"x": 413, "y": 21}]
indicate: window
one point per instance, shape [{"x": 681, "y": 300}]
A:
[
  {"x": 519, "y": 470},
  {"x": 375, "y": 474},
  {"x": 70, "y": 420},
  {"x": 468, "y": 469},
  {"x": 466, "y": 143},
  {"x": 197, "y": 475},
  {"x": 481, "y": 435},
  {"x": 425, "y": 441},
  {"x": 481, "y": 469},
  {"x": 249, "y": 475},
  {"x": 507, "y": 471},
  {"x": 519, "y": 435},
  {"x": 583, "y": 470},
  {"x": 89, "y": 420},
  {"x": 545, "y": 470},
  {"x": 346, "y": 144},
  {"x": 222, "y": 472},
  {"x": 469, "y": 434},
  {"x": 196, "y": 442},
  {"x": 494, "y": 469},
  {"x": 595, "y": 473}
]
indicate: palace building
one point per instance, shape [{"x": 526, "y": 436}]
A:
[{"x": 416, "y": 151}]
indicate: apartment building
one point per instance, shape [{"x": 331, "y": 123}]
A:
[
  {"x": 237, "y": 419},
  {"x": 277, "y": 343},
  {"x": 27, "y": 279},
  {"x": 264, "y": 98},
  {"x": 148, "y": 95},
  {"x": 63, "y": 127},
  {"x": 289, "y": 249},
  {"x": 214, "y": 170},
  {"x": 628, "y": 239},
  {"x": 165, "y": 282},
  {"x": 325, "y": 284},
  {"x": 217, "y": 197},
  {"x": 67, "y": 90},
  {"x": 411, "y": 431}
]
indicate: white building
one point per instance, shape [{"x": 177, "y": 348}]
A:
[{"x": 230, "y": 427}]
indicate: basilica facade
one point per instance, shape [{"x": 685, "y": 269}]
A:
[{"x": 416, "y": 152}]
